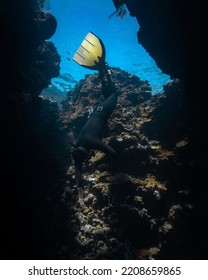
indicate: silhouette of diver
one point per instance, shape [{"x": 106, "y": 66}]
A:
[{"x": 91, "y": 134}]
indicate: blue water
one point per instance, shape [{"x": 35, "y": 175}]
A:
[{"x": 77, "y": 18}]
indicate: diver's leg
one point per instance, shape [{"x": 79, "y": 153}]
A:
[
  {"x": 102, "y": 70},
  {"x": 102, "y": 76},
  {"x": 111, "y": 85},
  {"x": 109, "y": 104},
  {"x": 104, "y": 84},
  {"x": 108, "y": 86}
]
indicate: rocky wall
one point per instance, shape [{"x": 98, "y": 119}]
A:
[
  {"x": 33, "y": 152},
  {"x": 172, "y": 32}
]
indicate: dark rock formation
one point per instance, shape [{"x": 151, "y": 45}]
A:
[
  {"x": 29, "y": 61},
  {"x": 33, "y": 152},
  {"x": 172, "y": 32}
]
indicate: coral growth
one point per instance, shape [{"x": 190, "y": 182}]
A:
[{"x": 132, "y": 207}]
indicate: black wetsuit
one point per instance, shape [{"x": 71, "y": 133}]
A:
[{"x": 91, "y": 134}]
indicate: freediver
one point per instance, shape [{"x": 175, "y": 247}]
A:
[{"x": 90, "y": 135}]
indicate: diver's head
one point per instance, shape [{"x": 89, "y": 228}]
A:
[{"x": 80, "y": 154}]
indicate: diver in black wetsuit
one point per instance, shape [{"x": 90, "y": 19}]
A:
[{"x": 91, "y": 134}]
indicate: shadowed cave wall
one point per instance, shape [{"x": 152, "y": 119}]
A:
[{"x": 33, "y": 154}]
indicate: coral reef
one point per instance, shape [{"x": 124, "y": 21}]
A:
[{"x": 139, "y": 205}]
